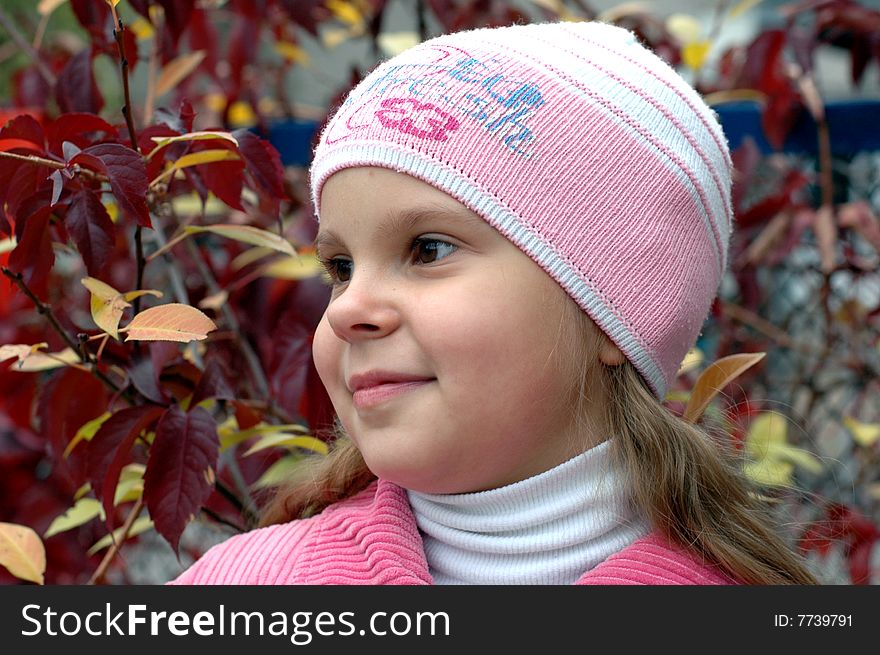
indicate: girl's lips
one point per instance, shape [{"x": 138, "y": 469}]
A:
[{"x": 372, "y": 396}]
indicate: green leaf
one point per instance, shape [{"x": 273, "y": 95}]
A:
[
  {"x": 140, "y": 526},
  {"x": 86, "y": 432},
  {"x": 279, "y": 472},
  {"x": 299, "y": 267},
  {"x": 272, "y": 440},
  {"x": 247, "y": 234},
  {"x": 83, "y": 511},
  {"x": 230, "y": 435}
]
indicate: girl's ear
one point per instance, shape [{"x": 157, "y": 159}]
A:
[{"x": 609, "y": 353}]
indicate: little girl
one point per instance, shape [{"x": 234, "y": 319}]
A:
[{"x": 524, "y": 228}]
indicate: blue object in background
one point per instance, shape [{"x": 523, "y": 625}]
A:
[
  {"x": 292, "y": 139},
  {"x": 854, "y": 126}
]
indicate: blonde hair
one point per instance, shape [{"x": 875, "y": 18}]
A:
[{"x": 687, "y": 482}]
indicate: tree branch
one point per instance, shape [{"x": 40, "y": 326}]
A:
[
  {"x": 46, "y": 311},
  {"x": 99, "y": 573}
]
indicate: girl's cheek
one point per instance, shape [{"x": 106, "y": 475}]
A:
[{"x": 326, "y": 353}]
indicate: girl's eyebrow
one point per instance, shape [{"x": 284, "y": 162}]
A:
[{"x": 405, "y": 221}]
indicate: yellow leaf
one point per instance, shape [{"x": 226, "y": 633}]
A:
[
  {"x": 143, "y": 524},
  {"x": 694, "y": 54},
  {"x": 107, "y": 305},
  {"x": 112, "y": 3},
  {"x": 282, "y": 439},
  {"x": 241, "y": 114},
  {"x": 131, "y": 295},
  {"x": 742, "y": 7},
  {"x": 142, "y": 28},
  {"x": 718, "y": 375},
  {"x": 215, "y": 301},
  {"x": 734, "y": 95},
  {"x": 677, "y": 397},
  {"x": 192, "y": 205},
  {"x": 333, "y": 37},
  {"x": 292, "y": 52},
  {"x": 279, "y": 472},
  {"x": 46, "y": 361},
  {"x": 864, "y": 434},
  {"x": 86, "y": 432},
  {"x": 771, "y": 473},
  {"x": 83, "y": 511},
  {"x": 20, "y": 350},
  {"x": 177, "y": 70},
  {"x": 766, "y": 429},
  {"x": 46, "y": 7},
  {"x": 247, "y": 234},
  {"x": 171, "y": 322},
  {"x": 230, "y": 435},
  {"x": 691, "y": 361},
  {"x": 7, "y": 245},
  {"x": 684, "y": 27},
  {"x": 393, "y": 43},
  {"x": 197, "y": 159},
  {"x": 249, "y": 256},
  {"x": 551, "y": 5},
  {"x": 203, "y": 135},
  {"x": 797, "y": 456},
  {"x": 22, "y": 552},
  {"x": 345, "y": 12},
  {"x": 300, "y": 267},
  {"x": 131, "y": 484}
]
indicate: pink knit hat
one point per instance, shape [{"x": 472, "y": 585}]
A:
[{"x": 579, "y": 145}]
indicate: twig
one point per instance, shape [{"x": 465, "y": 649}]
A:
[
  {"x": 46, "y": 311},
  {"x": 27, "y": 48},
  {"x": 117, "y": 544},
  {"x": 33, "y": 159}
]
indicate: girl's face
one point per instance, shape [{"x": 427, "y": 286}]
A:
[{"x": 424, "y": 288}]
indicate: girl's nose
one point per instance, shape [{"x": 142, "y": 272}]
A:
[{"x": 364, "y": 309}]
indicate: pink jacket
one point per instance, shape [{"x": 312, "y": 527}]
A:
[{"x": 372, "y": 538}]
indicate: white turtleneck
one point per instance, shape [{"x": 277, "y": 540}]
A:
[{"x": 547, "y": 529}]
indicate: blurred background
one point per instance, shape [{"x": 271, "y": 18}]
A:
[{"x": 796, "y": 86}]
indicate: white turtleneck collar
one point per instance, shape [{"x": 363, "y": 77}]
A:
[{"x": 547, "y": 529}]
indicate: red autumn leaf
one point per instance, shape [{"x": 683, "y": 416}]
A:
[
  {"x": 127, "y": 174},
  {"x": 76, "y": 128},
  {"x": 242, "y": 50},
  {"x": 24, "y": 128},
  {"x": 76, "y": 90},
  {"x": 71, "y": 399},
  {"x": 291, "y": 354},
  {"x": 203, "y": 36},
  {"x": 214, "y": 383},
  {"x": 92, "y": 230},
  {"x": 766, "y": 209},
  {"x": 33, "y": 257},
  {"x": 22, "y": 183},
  {"x": 306, "y": 13},
  {"x": 93, "y": 16},
  {"x": 263, "y": 162},
  {"x": 180, "y": 472},
  {"x": 30, "y": 88},
  {"x": 177, "y": 16},
  {"x": 110, "y": 450},
  {"x": 223, "y": 178}
]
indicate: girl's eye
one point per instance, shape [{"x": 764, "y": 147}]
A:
[
  {"x": 338, "y": 270},
  {"x": 424, "y": 251},
  {"x": 429, "y": 250}
]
